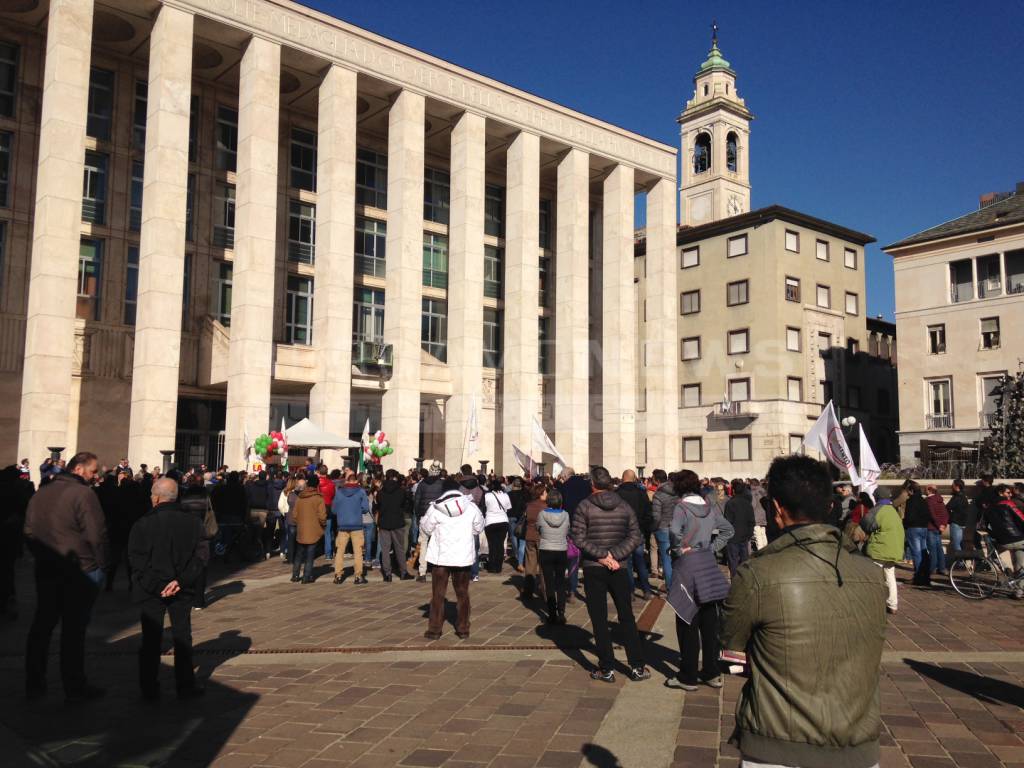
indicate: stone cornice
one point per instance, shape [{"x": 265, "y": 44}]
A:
[{"x": 295, "y": 26}]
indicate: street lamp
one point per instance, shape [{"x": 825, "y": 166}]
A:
[
  {"x": 166, "y": 464},
  {"x": 483, "y": 466},
  {"x": 55, "y": 453}
]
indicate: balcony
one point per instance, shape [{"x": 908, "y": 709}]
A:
[
  {"x": 987, "y": 418},
  {"x": 939, "y": 421},
  {"x": 731, "y": 416},
  {"x": 299, "y": 252},
  {"x": 224, "y": 237},
  {"x": 372, "y": 354}
]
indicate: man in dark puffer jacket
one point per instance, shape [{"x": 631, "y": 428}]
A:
[{"x": 606, "y": 531}]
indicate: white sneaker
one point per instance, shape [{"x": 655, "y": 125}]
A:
[{"x": 476, "y": 578}]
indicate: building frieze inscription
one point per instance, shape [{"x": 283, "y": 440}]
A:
[{"x": 290, "y": 27}]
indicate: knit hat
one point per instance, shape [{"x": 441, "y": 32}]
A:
[{"x": 435, "y": 469}]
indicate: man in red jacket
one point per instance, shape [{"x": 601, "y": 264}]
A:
[
  {"x": 327, "y": 489},
  {"x": 940, "y": 519}
]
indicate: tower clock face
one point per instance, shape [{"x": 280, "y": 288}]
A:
[{"x": 735, "y": 205}]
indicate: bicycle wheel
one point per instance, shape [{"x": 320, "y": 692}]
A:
[{"x": 974, "y": 579}]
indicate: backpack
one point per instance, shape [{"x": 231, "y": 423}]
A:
[{"x": 869, "y": 523}]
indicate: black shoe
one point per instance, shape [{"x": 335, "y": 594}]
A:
[
  {"x": 462, "y": 635},
  {"x": 361, "y": 580},
  {"x": 195, "y": 692},
  {"x": 639, "y": 674},
  {"x": 561, "y": 617},
  {"x": 421, "y": 579},
  {"x": 339, "y": 579},
  {"x": 432, "y": 635},
  {"x": 406, "y": 577},
  {"x": 552, "y": 619},
  {"x": 296, "y": 579},
  {"x": 84, "y": 694},
  {"x": 307, "y": 581},
  {"x": 388, "y": 578},
  {"x": 604, "y": 675}
]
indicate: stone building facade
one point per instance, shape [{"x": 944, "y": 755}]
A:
[{"x": 221, "y": 213}]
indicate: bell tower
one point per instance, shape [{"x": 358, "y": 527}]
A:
[{"x": 714, "y": 131}]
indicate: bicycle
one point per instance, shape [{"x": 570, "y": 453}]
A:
[{"x": 980, "y": 574}]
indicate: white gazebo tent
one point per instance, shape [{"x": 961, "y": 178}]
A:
[{"x": 306, "y": 434}]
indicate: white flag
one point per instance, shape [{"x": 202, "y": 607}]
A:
[
  {"x": 826, "y": 436},
  {"x": 869, "y": 469},
  {"x": 472, "y": 444},
  {"x": 364, "y": 446},
  {"x": 542, "y": 444},
  {"x": 529, "y": 466}
]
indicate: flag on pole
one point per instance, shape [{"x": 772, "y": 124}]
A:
[
  {"x": 284, "y": 457},
  {"x": 542, "y": 444},
  {"x": 364, "y": 445},
  {"x": 528, "y": 465},
  {"x": 471, "y": 446},
  {"x": 869, "y": 469},
  {"x": 246, "y": 446},
  {"x": 826, "y": 436}
]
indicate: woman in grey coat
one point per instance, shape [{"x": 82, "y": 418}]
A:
[{"x": 553, "y": 525}]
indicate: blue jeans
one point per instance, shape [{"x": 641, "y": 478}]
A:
[
  {"x": 288, "y": 541},
  {"x": 638, "y": 563},
  {"x": 935, "y": 551},
  {"x": 518, "y": 547},
  {"x": 329, "y": 535},
  {"x": 662, "y": 537},
  {"x": 917, "y": 540},
  {"x": 97, "y": 577},
  {"x": 414, "y": 534},
  {"x": 369, "y": 538},
  {"x": 956, "y": 537}
]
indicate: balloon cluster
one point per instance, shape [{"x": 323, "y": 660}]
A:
[
  {"x": 273, "y": 444},
  {"x": 377, "y": 448}
]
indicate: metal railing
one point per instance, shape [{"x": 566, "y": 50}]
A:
[
  {"x": 939, "y": 421},
  {"x": 372, "y": 353},
  {"x": 224, "y": 237}
]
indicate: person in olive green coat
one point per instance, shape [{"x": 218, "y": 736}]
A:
[{"x": 885, "y": 546}]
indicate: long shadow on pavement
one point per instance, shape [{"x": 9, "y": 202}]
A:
[{"x": 987, "y": 689}]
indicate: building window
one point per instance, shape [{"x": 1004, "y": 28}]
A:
[
  {"x": 739, "y": 342},
  {"x": 702, "y": 153},
  {"x": 691, "y": 395},
  {"x": 792, "y": 241},
  {"x": 186, "y": 290},
  {"x": 8, "y": 77},
  {"x": 90, "y": 269},
  {"x": 372, "y": 179},
  {"x": 101, "y": 103},
  {"x": 493, "y": 259},
  {"x": 131, "y": 285},
  {"x": 693, "y": 449},
  {"x": 434, "y": 328},
  {"x": 298, "y": 320},
  {"x": 190, "y": 203},
  {"x": 139, "y": 114},
  {"x": 852, "y": 346},
  {"x": 436, "y": 195},
  {"x": 826, "y": 391},
  {"x": 821, "y": 250},
  {"x": 940, "y": 404},
  {"x": 731, "y": 151},
  {"x": 135, "y": 206},
  {"x": 937, "y": 339},
  {"x": 824, "y": 297},
  {"x": 435, "y": 260},
  {"x": 227, "y": 138},
  {"x": 737, "y": 293},
  {"x": 222, "y": 298},
  {"x": 303, "y": 159},
  {"x": 544, "y": 345},
  {"x": 368, "y": 315},
  {"x": 852, "y": 305},
  {"x": 793, "y": 289},
  {"x": 494, "y": 211},
  {"x": 794, "y": 389},
  {"x": 544, "y": 299},
  {"x": 738, "y": 390},
  {"x": 850, "y": 258},
  {"x": 990, "y": 333},
  {"x": 739, "y": 447},
  {"x": 194, "y": 116},
  {"x": 990, "y": 386},
  {"x": 737, "y": 246},
  {"x": 224, "y": 216},
  {"x": 301, "y": 232},
  {"x": 544, "y": 229},
  {"x": 94, "y": 188},
  {"x": 853, "y": 397},
  {"x": 990, "y": 279},
  {"x": 689, "y": 303},
  {"x": 371, "y": 246},
  {"x": 961, "y": 281},
  {"x": 796, "y": 444},
  {"x": 492, "y": 338},
  {"x": 690, "y": 257},
  {"x": 5, "y": 167},
  {"x": 691, "y": 348},
  {"x": 792, "y": 339}
]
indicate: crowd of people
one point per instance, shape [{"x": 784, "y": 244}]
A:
[{"x": 809, "y": 562}]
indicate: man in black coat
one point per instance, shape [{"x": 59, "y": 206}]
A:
[
  {"x": 739, "y": 511},
  {"x": 167, "y": 558},
  {"x": 635, "y": 495},
  {"x": 393, "y": 502}
]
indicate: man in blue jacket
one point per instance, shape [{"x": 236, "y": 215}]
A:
[{"x": 350, "y": 502}]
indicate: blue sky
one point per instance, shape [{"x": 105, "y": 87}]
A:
[{"x": 887, "y": 118}]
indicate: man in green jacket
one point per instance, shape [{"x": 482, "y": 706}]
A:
[
  {"x": 885, "y": 545},
  {"x": 811, "y": 619}
]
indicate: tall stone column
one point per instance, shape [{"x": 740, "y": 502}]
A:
[
  {"x": 50, "y": 324},
  {"x": 151, "y": 427},
  {"x": 331, "y": 395},
  {"x": 618, "y": 316},
  {"x": 466, "y": 289},
  {"x": 252, "y": 302},
  {"x": 400, "y": 410},
  {"x": 520, "y": 389},
  {"x": 572, "y": 310},
  {"x": 661, "y": 368}
]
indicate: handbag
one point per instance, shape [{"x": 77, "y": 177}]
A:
[
  {"x": 572, "y": 552},
  {"x": 210, "y": 523}
]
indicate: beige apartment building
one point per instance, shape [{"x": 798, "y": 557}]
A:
[
  {"x": 769, "y": 305},
  {"x": 959, "y": 313},
  {"x": 215, "y": 214}
]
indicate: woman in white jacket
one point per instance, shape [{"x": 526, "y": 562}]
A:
[
  {"x": 452, "y": 522},
  {"x": 497, "y": 504}
]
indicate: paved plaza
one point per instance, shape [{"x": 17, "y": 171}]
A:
[{"x": 327, "y": 676}]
